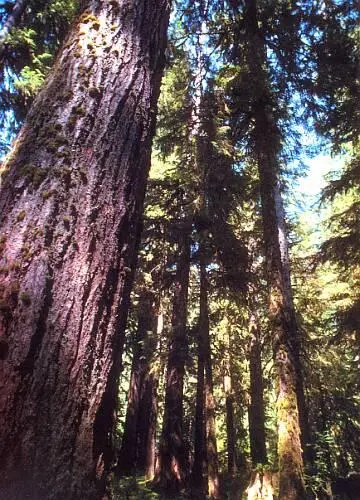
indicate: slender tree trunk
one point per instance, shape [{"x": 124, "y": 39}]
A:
[
  {"x": 212, "y": 457},
  {"x": 148, "y": 408},
  {"x": 256, "y": 407},
  {"x": 137, "y": 452},
  {"x": 205, "y": 436},
  {"x": 205, "y": 428},
  {"x": 198, "y": 469},
  {"x": 147, "y": 426},
  {"x": 267, "y": 146},
  {"x": 211, "y": 445},
  {"x": 128, "y": 456},
  {"x": 173, "y": 460},
  {"x": 230, "y": 417},
  {"x": 230, "y": 434},
  {"x": 69, "y": 216},
  {"x": 200, "y": 452}
]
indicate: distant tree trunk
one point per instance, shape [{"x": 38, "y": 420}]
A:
[
  {"x": 285, "y": 336},
  {"x": 11, "y": 21},
  {"x": 148, "y": 409},
  {"x": 256, "y": 407},
  {"x": 212, "y": 457},
  {"x": 230, "y": 418},
  {"x": 172, "y": 454},
  {"x": 200, "y": 452},
  {"x": 211, "y": 445},
  {"x": 198, "y": 469},
  {"x": 206, "y": 459},
  {"x": 137, "y": 453},
  {"x": 147, "y": 426},
  {"x": 69, "y": 216},
  {"x": 128, "y": 456},
  {"x": 230, "y": 434}
]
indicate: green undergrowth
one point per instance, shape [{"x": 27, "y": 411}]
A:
[{"x": 133, "y": 488}]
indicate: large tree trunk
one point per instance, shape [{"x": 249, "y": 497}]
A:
[
  {"x": 69, "y": 217},
  {"x": 284, "y": 338},
  {"x": 305, "y": 434},
  {"x": 266, "y": 138},
  {"x": 172, "y": 456},
  {"x": 256, "y": 407}
]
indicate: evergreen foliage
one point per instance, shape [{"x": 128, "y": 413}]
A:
[{"x": 27, "y": 53}]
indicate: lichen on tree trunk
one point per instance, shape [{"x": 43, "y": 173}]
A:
[
  {"x": 284, "y": 337},
  {"x": 69, "y": 216},
  {"x": 267, "y": 146}
]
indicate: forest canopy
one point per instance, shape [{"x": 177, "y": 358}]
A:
[{"x": 170, "y": 325}]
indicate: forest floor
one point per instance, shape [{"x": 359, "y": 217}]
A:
[{"x": 137, "y": 488}]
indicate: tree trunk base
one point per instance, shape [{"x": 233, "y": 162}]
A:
[{"x": 262, "y": 485}]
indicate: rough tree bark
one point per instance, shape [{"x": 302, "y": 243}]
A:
[
  {"x": 256, "y": 407},
  {"x": 266, "y": 139},
  {"x": 69, "y": 216},
  {"x": 172, "y": 455}
]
